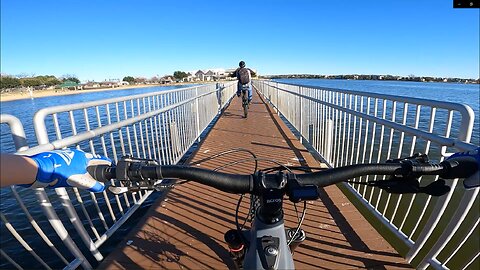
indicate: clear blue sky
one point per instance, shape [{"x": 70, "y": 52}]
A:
[{"x": 97, "y": 40}]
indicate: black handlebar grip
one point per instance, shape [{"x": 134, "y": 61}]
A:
[
  {"x": 341, "y": 174},
  {"x": 101, "y": 173},
  {"x": 230, "y": 183}
]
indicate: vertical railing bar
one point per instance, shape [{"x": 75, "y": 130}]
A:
[
  {"x": 460, "y": 245},
  {"x": 129, "y": 140},
  {"x": 5, "y": 255},
  {"x": 140, "y": 130},
  {"x": 337, "y": 131},
  {"x": 400, "y": 150},
  {"x": 128, "y": 132},
  {"x": 122, "y": 147},
  {"x": 394, "y": 110},
  {"x": 344, "y": 127},
  {"x": 87, "y": 127},
  {"x": 79, "y": 198},
  {"x": 380, "y": 147},
  {"x": 22, "y": 241},
  {"x": 151, "y": 105},
  {"x": 471, "y": 261},
  {"x": 102, "y": 137},
  {"x": 365, "y": 140},
  {"x": 372, "y": 144},
  {"x": 147, "y": 134},
  {"x": 92, "y": 149},
  {"x": 135, "y": 137},
  {"x": 99, "y": 211},
  {"x": 155, "y": 121},
  {"x": 35, "y": 224},
  {"x": 77, "y": 223},
  {"x": 360, "y": 121},
  {"x": 439, "y": 209},
  {"x": 112, "y": 143},
  {"x": 427, "y": 149},
  {"x": 412, "y": 151},
  {"x": 85, "y": 213},
  {"x": 455, "y": 221},
  {"x": 355, "y": 104},
  {"x": 57, "y": 126},
  {"x": 349, "y": 139},
  {"x": 165, "y": 129},
  {"x": 120, "y": 132}
]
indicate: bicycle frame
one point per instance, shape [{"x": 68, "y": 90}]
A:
[
  {"x": 267, "y": 240},
  {"x": 268, "y": 247}
]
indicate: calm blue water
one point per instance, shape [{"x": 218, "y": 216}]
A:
[{"x": 468, "y": 94}]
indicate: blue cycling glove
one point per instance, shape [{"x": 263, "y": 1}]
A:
[
  {"x": 472, "y": 181},
  {"x": 68, "y": 168}
]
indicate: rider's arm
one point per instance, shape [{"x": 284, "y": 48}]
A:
[
  {"x": 59, "y": 168},
  {"x": 252, "y": 73},
  {"x": 234, "y": 74},
  {"x": 16, "y": 170}
]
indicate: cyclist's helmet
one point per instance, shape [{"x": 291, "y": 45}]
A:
[{"x": 241, "y": 64}]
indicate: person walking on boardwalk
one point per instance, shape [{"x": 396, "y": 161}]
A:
[{"x": 244, "y": 76}]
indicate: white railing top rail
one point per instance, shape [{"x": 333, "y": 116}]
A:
[
  {"x": 40, "y": 116},
  {"x": 466, "y": 111}
]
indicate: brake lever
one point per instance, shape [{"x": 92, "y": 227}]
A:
[
  {"x": 118, "y": 190},
  {"x": 128, "y": 174},
  {"x": 399, "y": 185}
]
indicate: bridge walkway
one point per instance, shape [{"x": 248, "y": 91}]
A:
[{"x": 184, "y": 229}]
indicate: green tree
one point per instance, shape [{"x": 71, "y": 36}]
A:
[
  {"x": 69, "y": 77},
  {"x": 129, "y": 79},
  {"x": 180, "y": 75},
  {"x": 9, "y": 82}
]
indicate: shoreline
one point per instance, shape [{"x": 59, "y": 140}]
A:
[{"x": 57, "y": 92}]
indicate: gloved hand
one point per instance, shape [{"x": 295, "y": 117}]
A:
[
  {"x": 68, "y": 168},
  {"x": 472, "y": 181}
]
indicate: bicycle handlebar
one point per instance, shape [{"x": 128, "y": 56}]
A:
[{"x": 459, "y": 167}]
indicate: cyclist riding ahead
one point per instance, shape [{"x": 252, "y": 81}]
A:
[{"x": 244, "y": 76}]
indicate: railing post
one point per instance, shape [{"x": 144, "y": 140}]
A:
[
  {"x": 300, "y": 108},
  {"x": 197, "y": 113}
]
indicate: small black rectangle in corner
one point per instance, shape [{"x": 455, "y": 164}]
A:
[{"x": 466, "y": 3}]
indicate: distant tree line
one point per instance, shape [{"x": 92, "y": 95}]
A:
[
  {"x": 8, "y": 82},
  {"x": 411, "y": 78}
]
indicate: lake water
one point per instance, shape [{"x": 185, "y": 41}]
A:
[{"x": 25, "y": 109}]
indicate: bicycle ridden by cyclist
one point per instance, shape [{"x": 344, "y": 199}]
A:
[
  {"x": 58, "y": 168},
  {"x": 244, "y": 76}
]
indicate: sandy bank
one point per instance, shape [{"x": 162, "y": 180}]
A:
[{"x": 58, "y": 92}]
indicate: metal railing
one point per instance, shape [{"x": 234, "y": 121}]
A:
[
  {"x": 349, "y": 127},
  {"x": 161, "y": 125}
]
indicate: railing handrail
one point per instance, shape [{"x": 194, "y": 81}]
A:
[
  {"x": 465, "y": 110},
  {"x": 58, "y": 144}
]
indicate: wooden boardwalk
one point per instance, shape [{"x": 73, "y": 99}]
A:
[{"x": 184, "y": 229}]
